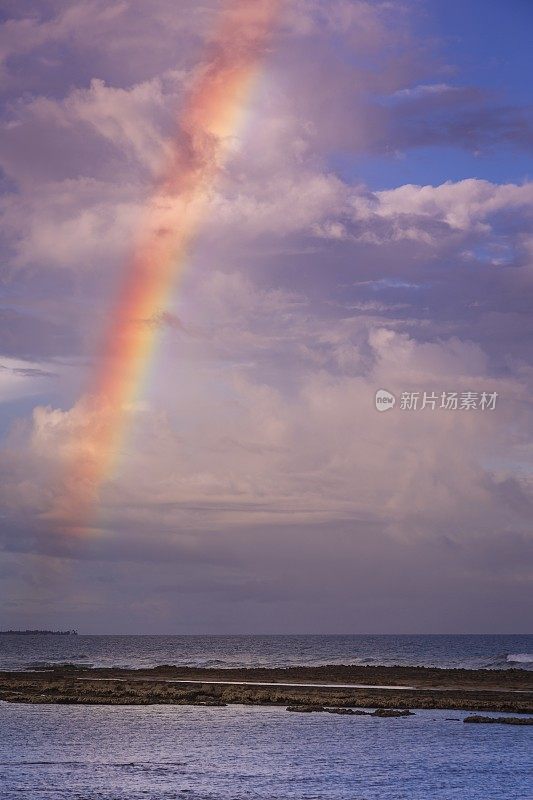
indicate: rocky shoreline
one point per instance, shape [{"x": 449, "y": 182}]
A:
[{"x": 340, "y": 687}]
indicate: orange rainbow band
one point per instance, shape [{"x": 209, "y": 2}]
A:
[{"x": 173, "y": 216}]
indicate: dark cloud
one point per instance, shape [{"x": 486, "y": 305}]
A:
[
  {"x": 463, "y": 118},
  {"x": 29, "y": 372}
]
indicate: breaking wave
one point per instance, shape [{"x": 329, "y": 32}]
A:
[{"x": 520, "y": 658}]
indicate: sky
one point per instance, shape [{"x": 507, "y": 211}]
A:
[{"x": 367, "y": 227}]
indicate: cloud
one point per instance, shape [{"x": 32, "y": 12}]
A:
[
  {"x": 475, "y": 124},
  {"x": 96, "y": 129},
  {"x": 20, "y": 379},
  {"x": 119, "y": 36},
  {"x": 425, "y": 89},
  {"x": 256, "y": 467},
  {"x": 34, "y": 336},
  {"x": 254, "y": 454},
  {"x": 468, "y": 206}
]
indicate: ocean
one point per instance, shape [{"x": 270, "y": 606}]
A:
[
  {"x": 471, "y": 652},
  {"x": 55, "y": 752},
  {"x": 241, "y": 753}
]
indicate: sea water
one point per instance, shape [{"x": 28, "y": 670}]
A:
[
  {"x": 237, "y": 752},
  {"x": 472, "y": 652}
]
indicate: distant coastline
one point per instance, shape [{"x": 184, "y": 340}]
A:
[{"x": 38, "y": 633}]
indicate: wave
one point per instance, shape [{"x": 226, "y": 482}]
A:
[
  {"x": 520, "y": 658},
  {"x": 46, "y": 666}
]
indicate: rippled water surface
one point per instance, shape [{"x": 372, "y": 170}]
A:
[
  {"x": 18, "y": 652},
  {"x": 161, "y": 752}
]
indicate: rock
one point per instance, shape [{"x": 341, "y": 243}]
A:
[
  {"x": 354, "y": 712},
  {"x": 499, "y": 720},
  {"x": 392, "y": 712},
  {"x": 217, "y": 703}
]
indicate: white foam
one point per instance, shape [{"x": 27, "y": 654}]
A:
[{"x": 520, "y": 658}]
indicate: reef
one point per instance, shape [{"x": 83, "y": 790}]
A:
[{"x": 388, "y": 690}]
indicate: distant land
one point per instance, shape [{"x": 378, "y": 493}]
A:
[{"x": 38, "y": 633}]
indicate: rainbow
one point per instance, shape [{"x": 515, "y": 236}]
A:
[{"x": 173, "y": 216}]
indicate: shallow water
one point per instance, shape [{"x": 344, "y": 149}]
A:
[
  {"x": 18, "y": 652},
  {"x": 164, "y": 752}
]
